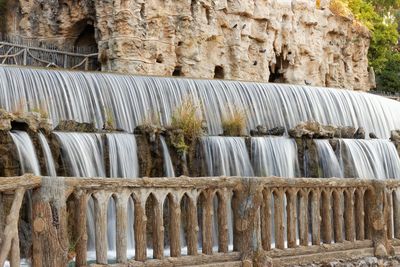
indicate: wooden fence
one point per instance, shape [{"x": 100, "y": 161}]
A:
[
  {"x": 25, "y": 55},
  {"x": 274, "y": 221}
]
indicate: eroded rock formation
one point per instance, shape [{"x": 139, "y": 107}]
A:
[{"x": 291, "y": 41}]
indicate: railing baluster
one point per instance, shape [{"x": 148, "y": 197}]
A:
[
  {"x": 279, "y": 219},
  {"x": 326, "y": 217},
  {"x": 207, "y": 226},
  {"x": 396, "y": 214},
  {"x": 223, "y": 223},
  {"x": 315, "y": 217},
  {"x": 359, "y": 213},
  {"x": 338, "y": 216},
  {"x": 266, "y": 220},
  {"x": 192, "y": 226},
  {"x": 81, "y": 230},
  {"x": 100, "y": 205},
  {"x": 175, "y": 227},
  {"x": 122, "y": 223},
  {"x": 349, "y": 214},
  {"x": 291, "y": 218},
  {"x": 140, "y": 230},
  {"x": 303, "y": 218},
  {"x": 389, "y": 223},
  {"x": 158, "y": 230}
]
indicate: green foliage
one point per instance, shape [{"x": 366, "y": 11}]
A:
[
  {"x": 373, "y": 14},
  {"x": 389, "y": 78}
]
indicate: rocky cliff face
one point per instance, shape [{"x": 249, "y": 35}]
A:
[{"x": 291, "y": 41}]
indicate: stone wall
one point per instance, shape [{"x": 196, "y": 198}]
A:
[{"x": 291, "y": 41}]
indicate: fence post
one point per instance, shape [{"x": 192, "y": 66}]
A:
[
  {"x": 377, "y": 209},
  {"x": 246, "y": 203},
  {"x": 49, "y": 238}
]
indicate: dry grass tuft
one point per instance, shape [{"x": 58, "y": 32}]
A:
[
  {"x": 186, "y": 117},
  {"x": 235, "y": 123}
]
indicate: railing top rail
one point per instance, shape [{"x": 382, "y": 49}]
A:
[
  {"x": 214, "y": 182},
  {"x": 49, "y": 50},
  {"x": 30, "y": 181},
  {"x": 27, "y": 181}
]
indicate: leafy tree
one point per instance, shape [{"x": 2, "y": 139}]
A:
[
  {"x": 383, "y": 29},
  {"x": 389, "y": 78}
]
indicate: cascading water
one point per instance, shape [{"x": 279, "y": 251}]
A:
[
  {"x": 82, "y": 153},
  {"x": 92, "y": 97},
  {"x": 51, "y": 169},
  {"x": 226, "y": 156},
  {"x": 274, "y": 156},
  {"x": 123, "y": 163},
  {"x": 328, "y": 160},
  {"x": 372, "y": 159},
  {"x": 26, "y": 152},
  {"x": 168, "y": 167}
]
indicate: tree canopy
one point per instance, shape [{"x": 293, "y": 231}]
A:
[{"x": 381, "y": 17}]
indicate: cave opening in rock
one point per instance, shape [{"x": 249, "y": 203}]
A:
[
  {"x": 87, "y": 37},
  {"x": 219, "y": 72},
  {"x": 177, "y": 71},
  {"x": 277, "y": 70}
]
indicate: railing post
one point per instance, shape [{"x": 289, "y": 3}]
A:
[
  {"x": 245, "y": 204},
  {"x": 81, "y": 243},
  {"x": 50, "y": 238},
  {"x": 376, "y": 203}
]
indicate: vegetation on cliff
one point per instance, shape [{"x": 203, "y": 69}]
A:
[{"x": 381, "y": 18}]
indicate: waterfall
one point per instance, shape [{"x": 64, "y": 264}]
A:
[
  {"x": 82, "y": 154},
  {"x": 94, "y": 97},
  {"x": 226, "y": 156},
  {"x": 123, "y": 163},
  {"x": 83, "y": 157},
  {"x": 51, "y": 169},
  {"x": 168, "y": 167},
  {"x": 274, "y": 156},
  {"x": 26, "y": 152},
  {"x": 123, "y": 155},
  {"x": 372, "y": 159},
  {"x": 328, "y": 160}
]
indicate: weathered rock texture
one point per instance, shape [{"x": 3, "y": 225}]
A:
[{"x": 291, "y": 41}]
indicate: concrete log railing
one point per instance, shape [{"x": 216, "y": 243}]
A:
[
  {"x": 188, "y": 221},
  {"x": 24, "y": 55},
  {"x": 12, "y": 191}
]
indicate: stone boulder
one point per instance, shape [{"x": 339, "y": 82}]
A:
[
  {"x": 360, "y": 134},
  {"x": 312, "y": 129},
  {"x": 345, "y": 132},
  {"x": 32, "y": 121},
  {"x": 263, "y": 130},
  {"x": 74, "y": 126},
  {"x": 395, "y": 136}
]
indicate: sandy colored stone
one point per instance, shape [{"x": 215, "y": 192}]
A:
[{"x": 279, "y": 41}]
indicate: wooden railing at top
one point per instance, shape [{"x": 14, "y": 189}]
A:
[
  {"x": 343, "y": 214},
  {"x": 23, "y": 55}
]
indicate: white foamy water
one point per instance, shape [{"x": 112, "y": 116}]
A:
[{"x": 92, "y": 97}]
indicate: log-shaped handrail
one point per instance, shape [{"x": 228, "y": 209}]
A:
[
  {"x": 293, "y": 215},
  {"x": 19, "y": 54}
]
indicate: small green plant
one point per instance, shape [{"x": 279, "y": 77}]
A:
[
  {"x": 109, "y": 119},
  {"x": 187, "y": 118},
  {"x": 234, "y": 124}
]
